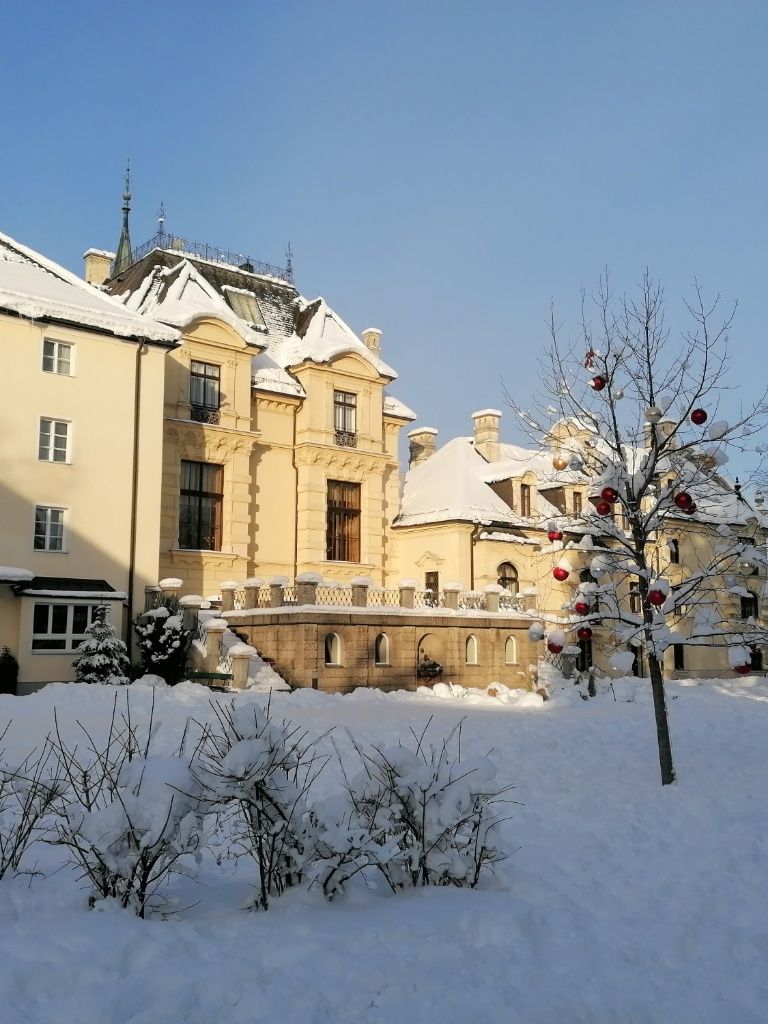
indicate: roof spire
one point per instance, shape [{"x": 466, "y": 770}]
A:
[
  {"x": 161, "y": 225},
  {"x": 123, "y": 258},
  {"x": 289, "y": 262}
]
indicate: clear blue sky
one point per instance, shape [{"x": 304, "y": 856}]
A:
[{"x": 443, "y": 170}]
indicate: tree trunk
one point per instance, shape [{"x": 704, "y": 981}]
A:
[{"x": 662, "y": 723}]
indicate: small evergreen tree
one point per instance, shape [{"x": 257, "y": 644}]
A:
[
  {"x": 163, "y": 643},
  {"x": 9, "y": 671},
  {"x": 102, "y": 657}
]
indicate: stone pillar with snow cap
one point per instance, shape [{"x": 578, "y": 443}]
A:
[
  {"x": 407, "y": 593},
  {"x": 152, "y": 597},
  {"x": 214, "y": 631},
  {"x": 422, "y": 444},
  {"x": 360, "y": 585},
  {"x": 372, "y": 340},
  {"x": 228, "y": 588},
  {"x": 277, "y": 587},
  {"x": 190, "y": 606},
  {"x": 306, "y": 587},
  {"x": 252, "y": 586},
  {"x": 492, "y": 593},
  {"x": 241, "y": 655},
  {"x": 171, "y": 586},
  {"x": 451, "y": 591},
  {"x": 487, "y": 431}
]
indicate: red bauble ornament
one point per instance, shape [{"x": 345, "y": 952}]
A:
[
  {"x": 683, "y": 500},
  {"x": 690, "y": 509},
  {"x": 742, "y": 669},
  {"x": 554, "y": 648},
  {"x": 699, "y": 416},
  {"x": 609, "y": 494},
  {"x": 585, "y": 633},
  {"x": 581, "y": 607},
  {"x": 656, "y": 597},
  {"x": 598, "y": 383},
  {"x": 555, "y": 535},
  {"x": 559, "y": 573},
  {"x": 603, "y": 508}
]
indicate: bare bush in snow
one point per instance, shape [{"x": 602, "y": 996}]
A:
[{"x": 27, "y": 792}]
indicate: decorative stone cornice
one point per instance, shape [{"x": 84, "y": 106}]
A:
[
  {"x": 209, "y": 441},
  {"x": 349, "y": 460}
]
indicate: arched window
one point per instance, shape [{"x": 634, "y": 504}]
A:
[
  {"x": 332, "y": 649},
  {"x": 510, "y": 651},
  {"x": 471, "y": 650},
  {"x": 750, "y": 607},
  {"x": 381, "y": 649},
  {"x": 508, "y": 577}
]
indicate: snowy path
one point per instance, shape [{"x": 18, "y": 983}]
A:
[{"x": 623, "y": 903}]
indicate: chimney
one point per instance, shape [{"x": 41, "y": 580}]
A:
[
  {"x": 487, "y": 433},
  {"x": 422, "y": 444},
  {"x": 97, "y": 265},
  {"x": 372, "y": 340}
]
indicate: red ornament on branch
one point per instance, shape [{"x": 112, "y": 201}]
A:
[
  {"x": 699, "y": 417},
  {"x": 560, "y": 573},
  {"x": 656, "y": 597},
  {"x": 742, "y": 669},
  {"x": 554, "y": 648},
  {"x": 581, "y": 607},
  {"x": 690, "y": 509},
  {"x": 554, "y": 535},
  {"x": 584, "y": 633},
  {"x": 603, "y": 508},
  {"x": 609, "y": 494},
  {"x": 598, "y": 383},
  {"x": 683, "y": 499}
]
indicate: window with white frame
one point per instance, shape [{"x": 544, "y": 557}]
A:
[
  {"x": 49, "y": 528},
  {"x": 57, "y": 357},
  {"x": 53, "y": 442},
  {"x": 58, "y": 626}
]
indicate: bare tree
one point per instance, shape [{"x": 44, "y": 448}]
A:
[{"x": 634, "y": 414}]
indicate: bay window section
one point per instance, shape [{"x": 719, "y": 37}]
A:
[
  {"x": 60, "y": 627},
  {"x": 345, "y": 418},
  {"x": 343, "y": 522},
  {"x": 205, "y": 391},
  {"x": 200, "y": 506}
]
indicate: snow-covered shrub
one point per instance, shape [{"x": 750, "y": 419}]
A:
[
  {"x": 127, "y": 815},
  {"x": 263, "y": 770},
  {"x": 163, "y": 642},
  {"x": 27, "y": 792},
  {"x": 436, "y": 815},
  {"x": 9, "y": 671},
  {"x": 102, "y": 656}
]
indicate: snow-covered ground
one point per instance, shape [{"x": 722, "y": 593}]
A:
[{"x": 622, "y": 902}]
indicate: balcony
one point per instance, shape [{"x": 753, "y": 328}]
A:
[
  {"x": 202, "y": 414},
  {"x": 345, "y": 439}
]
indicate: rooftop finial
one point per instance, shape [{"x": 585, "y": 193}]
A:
[
  {"x": 289, "y": 262},
  {"x": 123, "y": 258}
]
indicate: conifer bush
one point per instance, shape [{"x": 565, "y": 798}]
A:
[{"x": 102, "y": 657}]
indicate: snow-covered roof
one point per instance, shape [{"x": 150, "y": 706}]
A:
[
  {"x": 176, "y": 288},
  {"x": 35, "y": 287},
  {"x": 394, "y": 407}
]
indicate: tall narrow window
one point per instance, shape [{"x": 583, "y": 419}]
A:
[
  {"x": 584, "y": 657},
  {"x": 49, "y": 529},
  {"x": 345, "y": 418},
  {"x": 679, "y": 653},
  {"x": 57, "y": 357},
  {"x": 508, "y": 577},
  {"x": 53, "y": 441},
  {"x": 342, "y": 535},
  {"x": 205, "y": 391},
  {"x": 510, "y": 651},
  {"x": 471, "y": 650},
  {"x": 525, "y": 500},
  {"x": 674, "y": 551},
  {"x": 200, "y": 506},
  {"x": 332, "y": 649},
  {"x": 749, "y": 606},
  {"x": 577, "y": 503},
  {"x": 381, "y": 650}
]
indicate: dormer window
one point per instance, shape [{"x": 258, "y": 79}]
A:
[
  {"x": 245, "y": 305},
  {"x": 525, "y": 500},
  {"x": 204, "y": 392},
  {"x": 345, "y": 418}
]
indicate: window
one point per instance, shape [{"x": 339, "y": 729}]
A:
[
  {"x": 750, "y": 608},
  {"x": 200, "y": 506},
  {"x": 679, "y": 652},
  {"x": 525, "y": 500},
  {"x": 345, "y": 418},
  {"x": 635, "y": 604},
  {"x": 342, "y": 536},
  {"x": 432, "y": 588},
  {"x": 49, "y": 529},
  {"x": 381, "y": 649},
  {"x": 245, "y": 305},
  {"x": 510, "y": 651},
  {"x": 674, "y": 551},
  {"x": 472, "y": 650},
  {"x": 205, "y": 391},
  {"x": 577, "y": 503},
  {"x": 53, "y": 443},
  {"x": 57, "y": 357},
  {"x": 332, "y": 649},
  {"x": 60, "y": 627},
  {"x": 508, "y": 577}
]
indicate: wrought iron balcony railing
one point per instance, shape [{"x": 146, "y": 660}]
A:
[
  {"x": 345, "y": 439},
  {"x": 202, "y": 414}
]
